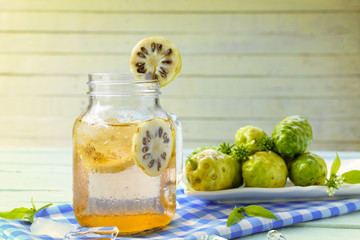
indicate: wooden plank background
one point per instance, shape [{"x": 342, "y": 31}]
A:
[{"x": 244, "y": 62}]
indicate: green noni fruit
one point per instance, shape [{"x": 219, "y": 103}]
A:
[
  {"x": 202, "y": 148},
  {"x": 308, "y": 169},
  {"x": 265, "y": 169},
  {"x": 211, "y": 170},
  {"x": 292, "y": 136},
  {"x": 250, "y": 137}
]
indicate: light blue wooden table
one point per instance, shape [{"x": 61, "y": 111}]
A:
[{"x": 46, "y": 175}]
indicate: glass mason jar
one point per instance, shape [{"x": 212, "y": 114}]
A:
[{"x": 127, "y": 156}]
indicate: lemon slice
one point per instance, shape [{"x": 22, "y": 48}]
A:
[
  {"x": 158, "y": 57},
  {"x": 103, "y": 161}
]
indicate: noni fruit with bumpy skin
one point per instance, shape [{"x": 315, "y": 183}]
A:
[
  {"x": 200, "y": 149},
  {"x": 308, "y": 169},
  {"x": 211, "y": 170},
  {"x": 292, "y": 136},
  {"x": 250, "y": 137},
  {"x": 265, "y": 169}
]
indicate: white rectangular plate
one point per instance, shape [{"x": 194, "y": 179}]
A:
[{"x": 287, "y": 193}]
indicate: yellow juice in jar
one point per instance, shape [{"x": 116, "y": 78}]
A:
[{"x": 110, "y": 189}]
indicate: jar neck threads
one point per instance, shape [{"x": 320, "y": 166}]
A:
[{"x": 122, "y": 85}]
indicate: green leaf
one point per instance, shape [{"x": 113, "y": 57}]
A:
[
  {"x": 352, "y": 177},
  {"x": 258, "y": 211},
  {"x": 335, "y": 166},
  {"x": 15, "y": 213},
  {"x": 29, "y": 216},
  {"x": 235, "y": 216},
  {"x": 45, "y": 206},
  {"x": 32, "y": 203},
  {"x": 22, "y": 213}
]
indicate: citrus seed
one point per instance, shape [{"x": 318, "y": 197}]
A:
[
  {"x": 165, "y": 71},
  {"x": 141, "y": 70},
  {"x": 151, "y": 163},
  {"x": 144, "y": 50},
  {"x": 163, "y": 75},
  {"x": 140, "y": 54},
  {"x": 159, "y": 165},
  {"x": 145, "y": 149},
  {"x": 168, "y": 52}
]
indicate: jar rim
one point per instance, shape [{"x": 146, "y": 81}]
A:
[
  {"x": 122, "y": 77},
  {"x": 122, "y": 84}
]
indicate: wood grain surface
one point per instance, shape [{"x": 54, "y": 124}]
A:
[{"x": 244, "y": 62}]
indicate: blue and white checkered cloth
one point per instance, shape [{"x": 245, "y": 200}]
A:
[{"x": 195, "y": 218}]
